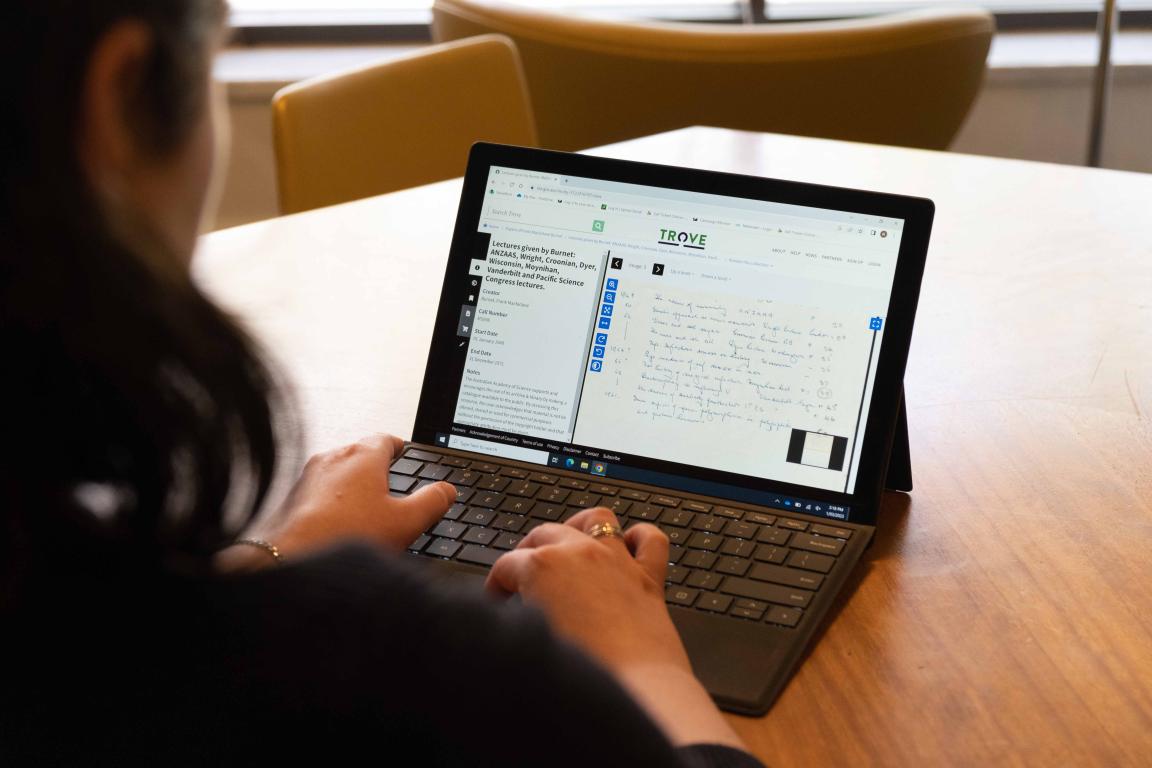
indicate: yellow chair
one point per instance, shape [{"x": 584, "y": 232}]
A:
[
  {"x": 396, "y": 124},
  {"x": 906, "y": 79}
]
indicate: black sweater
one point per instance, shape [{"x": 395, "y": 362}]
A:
[{"x": 348, "y": 656}]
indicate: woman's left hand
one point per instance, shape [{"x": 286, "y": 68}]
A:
[{"x": 343, "y": 494}]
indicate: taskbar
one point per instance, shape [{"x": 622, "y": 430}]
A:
[{"x": 598, "y": 463}]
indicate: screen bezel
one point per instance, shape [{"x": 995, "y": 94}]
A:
[{"x": 437, "y": 404}]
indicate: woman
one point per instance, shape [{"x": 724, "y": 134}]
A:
[{"x": 140, "y": 435}]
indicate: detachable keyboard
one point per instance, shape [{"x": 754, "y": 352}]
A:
[{"x": 724, "y": 559}]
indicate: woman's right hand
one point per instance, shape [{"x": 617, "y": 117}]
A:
[{"x": 606, "y": 595}]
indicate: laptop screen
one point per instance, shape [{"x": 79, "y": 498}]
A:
[{"x": 671, "y": 337}]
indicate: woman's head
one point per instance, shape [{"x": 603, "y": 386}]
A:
[
  {"x": 134, "y": 413},
  {"x": 122, "y": 87}
]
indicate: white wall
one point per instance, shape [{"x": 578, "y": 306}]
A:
[{"x": 1034, "y": 112}]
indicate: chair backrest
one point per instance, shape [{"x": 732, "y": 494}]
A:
[
  {"x": 906, "y": 79},
  {"x": 399, "y": 123}
]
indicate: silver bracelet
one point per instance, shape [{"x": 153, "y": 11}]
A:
[{"x": 267, "y": 546}]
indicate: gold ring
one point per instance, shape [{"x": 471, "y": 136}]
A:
[{"x": 605, "y": 529}]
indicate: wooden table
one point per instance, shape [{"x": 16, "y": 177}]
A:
[{"x": 1005, "y": 614}]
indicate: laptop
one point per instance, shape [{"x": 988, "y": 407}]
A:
[{"x": 719, "y": 355}]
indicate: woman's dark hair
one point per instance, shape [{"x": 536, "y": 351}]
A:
[{"x": 137, "y": 422}]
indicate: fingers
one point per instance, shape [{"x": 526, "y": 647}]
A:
[
  {"x": 549, "y": 533},
  {"x": 428, "y": 504},
  {"x": 508, "y": 572},
  {"x": 589, "y": 518},
  {"x": 649, "y": 546},
  {"x": 390, "y": 445}
]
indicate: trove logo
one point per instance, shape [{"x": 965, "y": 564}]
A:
[{"x": 694, "y": 240}]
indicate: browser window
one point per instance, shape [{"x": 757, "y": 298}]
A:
[{"x": 615, "y": 323}]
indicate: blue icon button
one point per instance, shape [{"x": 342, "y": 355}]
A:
[
  {"x": 597, "y": 351},
  {"x": 612, "y": 283},
  {"x": 596, "y": 366},
  {"x": 606, "y": 310},
  {"x": 609, "y": 297},
  {"x": 569, "y": 462},
  {"x": 601, "y": 338},
  {"x": 875, "y": 324},
  {"x": 605, "y": 323}
]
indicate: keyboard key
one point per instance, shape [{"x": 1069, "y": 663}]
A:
[
  {"x": 420, "y": 542},
  {"x": 463, "y": 494},
  {"x": 464, "y": 477},
  {"x": 677, "y": 536},
  {"x": 647, "y": 512},
  {"x": 492, "y": 483},
  {"x": 664, "y": 501},
  {"x": 434, "y": 472},
  {"x": 771, "y": 593},
  {"x": 540, "y": 477},
  {"x": 746, "y": 613},
  {"x": 488, "y": 469},
  {"x": 774, "y": 536},
  {"x": 514, "y": 472},
  {"x": 755, "y": 605},
  {"x": 709, "y": 523},
  {"x": 741, "y": 530},
  {"x": 794, "y": 525},
  {"x": 517, "y": 505},
  {"x": 506, "y": 522},
  {"x": 455, "y": 461},
  {"x": 422, "y": 484},
  {"x": 572, "y": 483},
  {"x": 603, "y": 490},
  {"x": 676, "y": 575},
  {"x": 407, "y": 466},
  {"x": 832, "y": 530},
  {"x": 811, "y": 561},
  {"x": 729, "y": 512},
  {"x": 554, "y": 495},
  {"x": 454, "y": 511},
  {"x": 696, "y": 506},
  {"x": 789, "y": 617},
  {"x": 442, "y": 548},
  {"x": 789, "y": 577},
  {"x": 532, "y": 523},
  {"x": 702, "y": 540},
  {"x": 675, "y": 555},
  {"x": 489, "y": 499},
  {"x": 418, "y": 455},
  {"x": 758, "y": 518},
  {"x": 507, "y": 540},
  {"x": 618, "y": 505},
  {"x": 770, "y": 553},
  {"x": 478, "y": 535},
  {"x": 523, "y": 488},
  {"x": 739, "y": 547},
  {"x": 400, "y": 483},
  {"x": 584, "y": 500},
  {"x": 704, "y": 580},
  {"x": 634, "y": 495},
  {"x": 449, "y": 529},
  {"x": 825, "y": 545},
  {"x": 678, "y": 517},
  {"x": 478, "y": 555},
  {"x": 713, "y": 602},
  {"x": 698, "y": 558},
  {"x": 681, "y": 595},
  {"x": 546, "y": 511},
  {"x": 478, "y": 516},
  {"x": 734, "y": 566}
]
